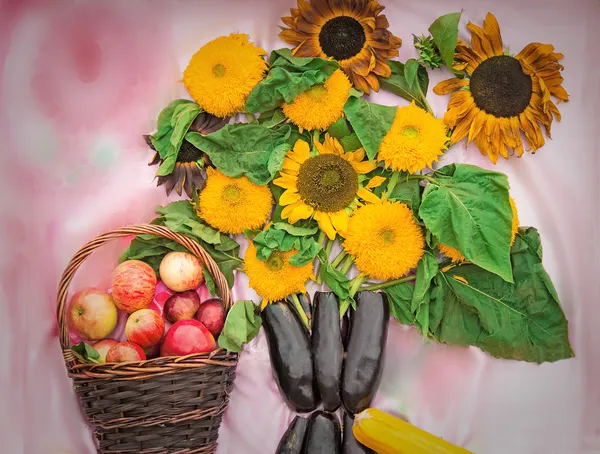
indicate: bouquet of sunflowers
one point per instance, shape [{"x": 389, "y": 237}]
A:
[{"x": 287, "y": 154}]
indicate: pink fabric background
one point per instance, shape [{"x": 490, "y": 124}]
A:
[{"x": 82, "y": 81}]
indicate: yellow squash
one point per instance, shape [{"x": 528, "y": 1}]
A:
[{"x": 388, "y": 435}]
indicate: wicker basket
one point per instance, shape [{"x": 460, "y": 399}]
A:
[{"x": 163, "y": 405}]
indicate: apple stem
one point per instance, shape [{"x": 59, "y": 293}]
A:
[{"x": 300, "y": 310}]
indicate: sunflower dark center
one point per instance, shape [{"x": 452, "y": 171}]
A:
[
  {"x": 275, "y": 261},
  {"x": 342, "y": 37},
  {"x": 188, "y": 153},
  {"x": 327, "y": 183},
  {"x": 500, "y": 87},
  {"x": 388, "y": 236},
  {"x": 218, "y": 70}
]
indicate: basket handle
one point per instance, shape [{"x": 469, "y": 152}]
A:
[{"x": 139, "y": 229}]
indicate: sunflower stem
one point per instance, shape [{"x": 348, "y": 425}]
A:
[
  {"x": 355, "y": 284},
  {"x": 392, "y": 183},
  {"x": 387, "y": 284},
  {"x": 300, "y": 310},
  {"x": 328, "y": 248},
  {"x": 348, "y": 264},
  {"x": 341, "y": 256},
  {"x": 320, "y": 240}
]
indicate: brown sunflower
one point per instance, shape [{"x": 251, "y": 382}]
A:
[
  {"x": 188, "y": 173},
  {"x": 502, "y": 95},
  {"x": 352, "y": 32}
]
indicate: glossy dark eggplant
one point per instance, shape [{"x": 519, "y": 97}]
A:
[
  {"x": 291, "y": 359},
  {"x": 346, "y": 326},
  {"x": 364, "y": 356},
  {"x": 305, "y": 303},
  {"x": 327, "y": 348},
  {"x": 350, "y": 445},
  {"x": 293, "y": 438},
  {"x": 324, "y": 434}
]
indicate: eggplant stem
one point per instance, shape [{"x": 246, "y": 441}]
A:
[
  {"x": 300, "y": 310},
  {"x": 387, "y": 284}
]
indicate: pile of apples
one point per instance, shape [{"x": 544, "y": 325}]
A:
[{"x": 185, "y": 326}]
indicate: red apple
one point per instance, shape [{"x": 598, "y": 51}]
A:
[
  {"x": 125, "y": 351},
  {"x": 103, "y": 346},
  {"x": 181, "y": 271},
  {"x": 186, "y": 337},
  {"x": 212, "y": 315},
  {"x": 181, "y": 306},
  {"x": 152, "y": 352},
  {"x": 92, "y": 314},
  {"x": 133, "y": 285},
  {"x": 145, "y": 328}
]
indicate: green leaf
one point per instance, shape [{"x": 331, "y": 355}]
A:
[
  {"x": 400, "y": 297},
  {"x": 308, "y": 250},
  {"x": 408, "y": 192},
  {"x": 345, "y": 305},
  {"x": 522, "y": 321},
  {"x": 426, "y": 271},
  {"x": 410, "y": 71},
  {"x": 295, "y": 230},
  {"x": 167, "y": 165},
  {"x": 335, "y": 279},
  {"x": 445, "y": 34},
  {"x": 210, "y": 282},
  {"x": 163, "y": 123},
  {"x": 274, "y": 118},
  {"x": 370, "y": 121},
  {"x": 351, "y": 142},
  {"x": 339, "y": 129},
  {"x": 241, "y": 326},
  {"x": 287, "y": 78},
  {"x": 183, "y": 122},
  {"x": 398, "y": 84},
  {"x": 85, "y": 352},
  {"x": 468, "y": 208},
  {"x": 245, "y": 149},
  {"x": 276, "y": 158}
]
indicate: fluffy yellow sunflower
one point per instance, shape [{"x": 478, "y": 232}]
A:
[
  {"x": 502, "y": 95},
  {"x": 275, "y": 278},
  {"x": 353, "y": 33},
  {"x": 414, "y": 141},
  {"x": 232, "y": 205},
  {"x": 324, "y": 186},
  {"x": 321, "y": 105},
  {"x": 384, "y": 240},
  {"x": 221, "y": 75},
  {"x": 456, "y": 256}
]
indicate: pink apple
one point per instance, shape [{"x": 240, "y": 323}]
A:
[
  {"x": 92, "y": 314},
  {"x": 103, "y": 346},
  {"x": 125, "y": 351},
  {"x": 181, "y": 306},
  {"x": 181, "y": 271},
  {"x": 133, "y": 285},
  {"x": 212, "y": 315},
  {"x": 186, "y": 337},
  {"x": 145, "y": 328}
]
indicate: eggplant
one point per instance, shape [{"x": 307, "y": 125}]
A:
[
  {"x": 305, "y": 303},
  {"x": 327, "y": 348},
  {"x": 293, "y": 438},
  {"x": 291, "y": 359},
  {"x": 350, "y": 445},
  {"x": 364, "y": 356},
  {"x": 323, "y": 435},
  {"x": 346, "y": 323}
]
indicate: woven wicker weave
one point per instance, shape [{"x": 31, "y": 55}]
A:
[{"x": 164, "y": 405}]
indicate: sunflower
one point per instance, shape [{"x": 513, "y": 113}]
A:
[
  {"x": 384, "y": 240},
  {"x": 414, "y": 141},
  {"x": 221, "y": 75},
  {"x": 324, "y": 186},
  {"x": 502, "y": 95},
  {"x": 456, "y": 256},
  {"x": 321, "y": 105},
  {"x": 188, "y": 173},
  {"x": 353, "y": 33},
  {"x": 275, "y": 278},
  {"x": 232, "y": 205}
]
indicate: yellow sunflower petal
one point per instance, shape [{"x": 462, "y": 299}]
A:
[
  {"x": 340, "y": 220},
  {"x": 367, "y": 195},
  {"x": 288, "y": 197},
  {"x": 288, "y": 209},
  {"x": 301, "y": 151},
  {"x": 286, "y": 181},
  {"x": 364, "y": 167},
  {"x": 325, "y": 224},
  {"x": 301, "y": 212},
  {"x": 446, "y": 86},
  {"x": 375, "y": 182}
]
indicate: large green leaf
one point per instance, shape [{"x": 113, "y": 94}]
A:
[
  {"x": 241, "y": 326},
  {"x": 399, "y": 298},
  {"x": 468, "y": 208},
  {"x": 426, "y": 271},
  {"x": 287, "y": 78},
  {"x": 444, "y": 31},
  {"x": 246, "y": 149},
  {"x": 397, "y": 83},
  {"x": 370, "y": 122},
  {"x": 522, "y": 321}
]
